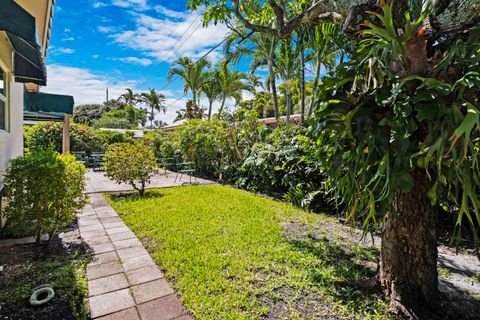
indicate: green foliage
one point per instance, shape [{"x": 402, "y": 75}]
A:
[
  {"x": 108, "y": 137},
  {"x": 245, "y": 153},
  {"x": 286, "y": 163},
  {"x": 389, "y": 113},
  {"x": 86, "y": 113},
  {"x": 48, "y": 135},
  {"x": 127, "y": 118},
  {"x": 43, "y": 190},
  {"x": 132, "y": 163}
]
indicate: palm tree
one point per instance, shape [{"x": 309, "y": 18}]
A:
[
  {"x": 155, "y": 101},
  {"x": 129, "y": 97},
  {"x": 231, "y": 85},
  {"x": 286, "y": 67},
  {"x": 192, "y": 73},
  {"x": 260, "y": 46},
  {"x": 323, "y": 40},
  {"x": 211, "y": 89}
]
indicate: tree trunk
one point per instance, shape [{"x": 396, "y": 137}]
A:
[
  {"x": 408, "y": 266},
  {"x": 151, "y": 119},
  {"x": 288, "y": 100},
  {"x": 210, "y": 110},
  {"x": 302, "y": 84},
  {"x": 221, "y": 107},
  {"x": 315, "y": 85},
  {"x": 274, "y": 87}
]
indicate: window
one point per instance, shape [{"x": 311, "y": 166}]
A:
[{"x": 3, "y": 100}]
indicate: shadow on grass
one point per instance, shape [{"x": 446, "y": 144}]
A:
[{"x": 135, "y": 196}]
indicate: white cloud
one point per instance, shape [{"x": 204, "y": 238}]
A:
[
  {"x": 132, "y": 4},
  {"x": 135, "y": 60},
  {"x": 99, "y": 4},
  {"x": 105, "y": 29},
  {"x": 88, "y": 87},
  {"x": 167, "y": 39},
  {"x": 95, "y": 56},
  {"x": 169, "y": 13},
  {"x": 58, "y": 51},
  {"x": 85, "y": 86},
  {"x": 68, "y": 39}
]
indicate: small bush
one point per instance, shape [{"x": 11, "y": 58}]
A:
[
  {"x": 132, "y": 163},
  {"x": 108, "y": 137},
  {"x": 43, "y": 190}
]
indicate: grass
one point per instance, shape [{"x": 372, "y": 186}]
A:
[
  {"x": 28, "y": 267},
  {"x": 234, "y": 255}
]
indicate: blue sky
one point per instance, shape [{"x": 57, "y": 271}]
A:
[{"x": 124, "y": 43}]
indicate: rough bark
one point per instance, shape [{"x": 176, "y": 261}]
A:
[
  {"x": 288, "y": 100},
  {"x": 408, "y": 266}
]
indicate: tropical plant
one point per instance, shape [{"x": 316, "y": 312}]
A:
[
  {"x": 211, "y": 89},
  {"x": 230, "y": 85},
  {"x": 398, "y": 133},
  {"x": 262, "y": 49},
  {"x": 193, "y": 74},
  {"x": 129, "y": 97},
  {"x": 155, "y": 101},
  {"x": 132, "y": 163},
  {"x": 44, "y": 190}
]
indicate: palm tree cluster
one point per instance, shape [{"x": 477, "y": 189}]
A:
[
  {"x": 152, "y": 99},
  {"x": 285, "y": 86},
  {"x": 217, "y": 83}
]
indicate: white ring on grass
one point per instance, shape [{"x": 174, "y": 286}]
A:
[{"x": 38, "y": 292}]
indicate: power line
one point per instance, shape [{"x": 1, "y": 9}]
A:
[{"x": 176, "y": 42}]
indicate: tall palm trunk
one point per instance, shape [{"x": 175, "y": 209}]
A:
[
  {"x": 210, "y": 102},
  {"x": 288, "y": 100},
  {"x": 315, "y": 85},
  {"x": 151, "y": 118},
  {"x": 194, "y": 97},
  {"x": 222, "y": 105},
  {"x": 302, "y": 83},
  {"x": 274, "y": 86}
]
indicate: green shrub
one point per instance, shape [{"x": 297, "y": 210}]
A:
[
  {"x": 132, "y": 163},
  {"x": 43, "y": 190},
  {"x": 287, "y": 163},
  {"x": 108, "y": 137},
  {"x": 49, "y": 135}
]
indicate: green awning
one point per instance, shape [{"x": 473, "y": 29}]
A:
[
  {"x": 47, "y": 103},
  {"x": 20, "y": 26}
]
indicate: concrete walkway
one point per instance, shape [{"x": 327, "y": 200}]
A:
[
  {"x": 97, "y": 182},
  {"x": 124, "y": 282}
]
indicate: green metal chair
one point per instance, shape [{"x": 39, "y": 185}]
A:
[{"x": 187, "y": 168}]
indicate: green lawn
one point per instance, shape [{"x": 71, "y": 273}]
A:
[{"x": 234, "y": 255}]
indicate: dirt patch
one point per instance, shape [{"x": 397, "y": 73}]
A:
[{"x": 24, "y": 267}]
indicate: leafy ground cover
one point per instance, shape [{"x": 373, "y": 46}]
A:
[
  {"x": 234, "y": 255},
  {"x": 25, "y": 267}
]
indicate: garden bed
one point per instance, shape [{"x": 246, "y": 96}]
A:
[{"x": 27, "y": 266}]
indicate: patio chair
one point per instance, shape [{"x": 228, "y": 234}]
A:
[
  {"x": 166, "y": 163},
  {"x": 98, "y": 161},
  {"x": 80, "y": 157},
  {"x": 185, "y": 168}
]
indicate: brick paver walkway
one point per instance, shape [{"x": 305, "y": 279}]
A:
[{"x": 124, "y": 282}]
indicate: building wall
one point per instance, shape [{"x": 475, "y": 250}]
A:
[{"x": 11, "y": 140}]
